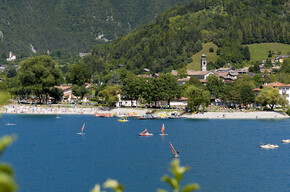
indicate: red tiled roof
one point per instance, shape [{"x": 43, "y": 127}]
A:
[
  {"x": 143, "y": 76},
  {"x": 184, "y": 79},
  {"x": 64, "y": 87},
  {"x": 192, "y": 72},
  {"x": 277, "y": 84},
  {"x": 174, "y": 72},
  {"x": 183, "y": 99}
]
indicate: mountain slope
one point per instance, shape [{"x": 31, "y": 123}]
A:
[
  {"x": 174, "y": 36},
  {"x": 75, "y": 25}
]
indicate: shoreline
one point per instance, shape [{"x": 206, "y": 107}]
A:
[
  {"x": 238, "y": 115},
  {"x": 118, "y": 112}
]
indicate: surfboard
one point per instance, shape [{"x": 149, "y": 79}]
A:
[{"x": 9, "y": 124}]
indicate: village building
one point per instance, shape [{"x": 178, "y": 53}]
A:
[
  {"x": 68, "y": 97},
  {"x": 11, "y": 57},
  {"x": 284, "y": 89},
  {"x": 203, "y": 63},
  {"x": 124, "y": 102},
  {"x": 281, "y": 58},
  {"x": 201, "y": 75}
]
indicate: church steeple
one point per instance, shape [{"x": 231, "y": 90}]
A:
[{"x": 203, "y": 63}]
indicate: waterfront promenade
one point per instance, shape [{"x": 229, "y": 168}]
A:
[{"x": 38, "y": 110}]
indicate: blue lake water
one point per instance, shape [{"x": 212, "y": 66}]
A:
[{"x": 224, "y": 155}]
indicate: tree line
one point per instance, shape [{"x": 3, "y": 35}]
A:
[{"x": 38, "y": 77}]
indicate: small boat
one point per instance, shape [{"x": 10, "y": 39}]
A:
[
  {"x": 162, "y": 130},
  {"x": 269, "y": 146},
  {"x": 285, "y": 140},
  {"x": 145, "y": 133},
  {"x": 58, "y": 117},
  {"x": 123, "y": 119},
  {"x": 173, "y": 150},
  {"x": 82, "y": 130},
  {"x": 9, "y": 124}
]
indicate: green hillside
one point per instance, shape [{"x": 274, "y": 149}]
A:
[
  {"x": 210, "y": 56},
  {"x": 74, "y": 25},
  {"x": 170, "y": 41},
  {"x": 260, "y": 51}
]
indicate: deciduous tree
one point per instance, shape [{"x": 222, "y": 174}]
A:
[
  {"x": 39, "y": 74},
  {"x": 79, "y": 73},
  {"x": 196, "y": 97},
  {"x": 270, "y": 96}
]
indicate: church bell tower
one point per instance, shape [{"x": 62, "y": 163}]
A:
[{"x": 203, "y": 63}]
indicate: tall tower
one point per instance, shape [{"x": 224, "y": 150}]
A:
[{"x": 203, "y": 63}]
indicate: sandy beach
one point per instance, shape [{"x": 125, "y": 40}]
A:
[
  {"x": 238, "y": 115},
  {"x": 40, "y": 110}
]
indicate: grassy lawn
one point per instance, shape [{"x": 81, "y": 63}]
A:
[
  {"x": 195, "y": 64},
  {"x": 260, "y": 51}
]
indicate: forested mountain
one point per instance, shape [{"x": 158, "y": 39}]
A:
[
  {"x": 74, "y": 25},
  {"x": 174, "y": 36}
]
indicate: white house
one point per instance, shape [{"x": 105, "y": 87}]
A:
[
  {"x": 67, "y": 93},
  {"x": 11, "y": 57},
  {"x": 125, "y": 103},
  {"x": 284, "y": 89}
]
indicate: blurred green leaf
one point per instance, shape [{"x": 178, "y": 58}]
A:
[
  {"x": 162, "y": 190},
  {"x": 114, "y": 184},
  {"x": 7, "y": 183},
  {"x": 97, "y": 188},
  {"x": 190, "y": 187},
  {"x": 171, "y": 181},
  {"x": 5, "y": 142},
  {"x": 5, "y": 168},
  {"x": 178, "y": 172}
]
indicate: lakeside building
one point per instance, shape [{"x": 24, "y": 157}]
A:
[
  {"x": 123, "y": 102},
  {"x": 284, "y": 89},
  {"x": 67, "y": 93}
]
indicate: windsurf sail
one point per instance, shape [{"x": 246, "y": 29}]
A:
[
  {"x": 163, "y": 129},
  {"x": 173, "y": 150},
  {"x": 83, "y": 128}
]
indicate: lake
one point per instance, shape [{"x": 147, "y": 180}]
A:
[{"x": 224, "y": 155}]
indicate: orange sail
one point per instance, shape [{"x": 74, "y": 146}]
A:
[
  {"x": 163, "y": 129},
  {"x": 83, "y": 128},
  {"x": 173, "y": 150}
]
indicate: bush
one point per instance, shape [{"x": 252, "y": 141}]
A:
[
  {"x": 288, "y": 111},
  {"x": 218, "y": 52},
  {"x": 211, "y": 50}
]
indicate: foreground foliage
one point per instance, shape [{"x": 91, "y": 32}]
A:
[
  {"x": 173, "y": 182},
  {"x": 7, "y": 182}
]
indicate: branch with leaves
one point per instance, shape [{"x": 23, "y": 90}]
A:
[{"x": 173, "y": 182}]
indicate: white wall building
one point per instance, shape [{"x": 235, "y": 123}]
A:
[
  {"x": 284, "y": 89},
  {"x": 11, "y": 57},
  {"x": 125, "y": 103}
]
